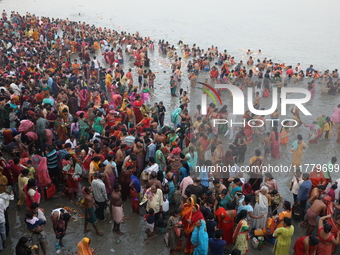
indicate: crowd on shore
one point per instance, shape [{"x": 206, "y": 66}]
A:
[{"x": 76, "y": 103}]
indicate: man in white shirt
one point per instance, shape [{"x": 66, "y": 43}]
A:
[
  {"x": 99, "y": 194},
  {"x": 72, "y": 141},
  {"x": 296, "y": 182},
  {"x": 95, "y": 63},
  {"x": 153, "y": 166},
  {"x": 2, "y": 225},
  {"x": 95, "y": 137},
  {"x": 154, "y": 201}
]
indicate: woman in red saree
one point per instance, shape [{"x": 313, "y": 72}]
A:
[
  {"x": 137, "y": 104},
  {"x": 189, "y": 223},
  {"x": 72, "y": 172},
  {"x": 32, "y": 193},
  {"x": 248, "y": 131},
  {"x": 145, "y": 122},
  {"x": 226, "y": 222},
  {"x": 110, "y": 119},
  {"x": 327, "y": 239},
  {"x": 306, "y": 245}
]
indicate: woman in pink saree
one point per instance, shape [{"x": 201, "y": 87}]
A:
[
  {"x": 336, "y": 115},
  {"x": 275, "y": 143},
  {"x": 42, "y": 175},
  {"x": 203, "y": 142},
  {"x": 84, "y": 96}
]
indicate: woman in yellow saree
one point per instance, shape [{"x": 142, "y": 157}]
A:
[
  {"x": 35, "y": 35},
  {"x": 240, "y": 236},
  {"x": 84, "y": 247}
]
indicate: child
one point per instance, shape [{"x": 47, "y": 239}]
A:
[
  {"x": 266, "y": 142},
  {"x": 31, "y": 174},
  {"x": 211, "y": 225},
  {"x": 238, "y": 199},
  {"x": 217, "y": 244},
  {"x": 150, "y": 222},
  {"x": 22, "y": 181},
  {"x": 276, "y": 202},
  {"x": 33, "y": 224}
]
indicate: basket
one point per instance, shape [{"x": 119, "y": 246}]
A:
[{"x": 50, "y": 191}]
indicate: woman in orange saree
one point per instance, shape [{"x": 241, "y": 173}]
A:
[
  {"x": 189, "y": 222},
  {"x": 285, "y": 213},
  {"x": 284, "y": 137}
]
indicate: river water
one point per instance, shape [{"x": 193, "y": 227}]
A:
[{"x": 291, "y": 32}]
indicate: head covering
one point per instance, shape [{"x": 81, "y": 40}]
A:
[
  {"x": 243, "y": 180},
  {"x": 42, "y": 173},
  {"x": 327, "y": 199},
  {"x": 25, "y": 125},
  {"x": 200, "y": 236},
  {"x": 83, "y": 247},
  {"x": 264, "y": 188},
  {"x": 176, "y": 150}
]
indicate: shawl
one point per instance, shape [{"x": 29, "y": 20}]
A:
[
  {"x": 42, "y": 173},
  {"x": 83, "y": 247}
]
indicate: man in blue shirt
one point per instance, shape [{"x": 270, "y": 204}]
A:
[
  {"x": 217, "y": 244},
  {"x": 304, "y": 190},
  {"x": 150, "y": 149}
]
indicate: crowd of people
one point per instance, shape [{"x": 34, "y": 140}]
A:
[{"x": 76, "y": 104}]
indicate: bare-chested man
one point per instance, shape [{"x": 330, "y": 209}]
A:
[
  {"x": 153, "y": 180},
  {"x": 116, "y": 208},
  {"x": 296, "y": 115},
  {"x": 256, "y": 103},
  {"x": 160, "y": 137},
  {"x": 318, "y": 208},
  {"x": 90, "y": 216},
  {"x": 110, "y": 177},
  {"x": 185, "y": 99},
  {"x": 140, "y": 76},
  {"x": 250, "y": 61},
  {"x": 274, "y": 116},
  {"x": 315, "y": 194},
  {"x": 120, "y": 156}
]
